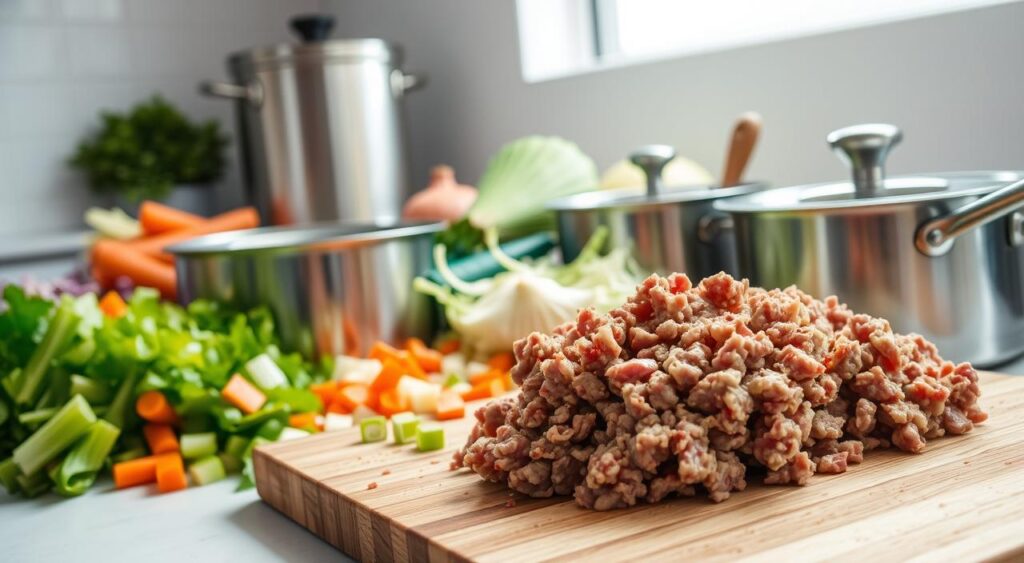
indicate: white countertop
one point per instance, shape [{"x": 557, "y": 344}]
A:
[{"x": 211, "y": 523}]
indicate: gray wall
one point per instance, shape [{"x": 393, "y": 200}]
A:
[
  {"x": 953, "y": 83},
  {"x": 63, "y": 61}
]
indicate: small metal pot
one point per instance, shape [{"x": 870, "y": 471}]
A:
[
  {"x": 333, "y": 288},
  {"x": 666, "y": 230},
  {"x": 941, "y": 255}
]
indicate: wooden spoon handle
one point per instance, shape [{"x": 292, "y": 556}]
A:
[{"x": 741, "y": 146}]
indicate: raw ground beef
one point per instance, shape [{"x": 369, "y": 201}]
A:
[{"x": 683, "y": 388}]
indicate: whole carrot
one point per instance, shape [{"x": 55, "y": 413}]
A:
[
  {"x": 156, "y": 218},
  {"x": 243, "y": 218},
  {"x": 113, "y": 258}
]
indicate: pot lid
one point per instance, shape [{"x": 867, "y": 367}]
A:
[
  {"x": 865, "y": 148},
  {"x": 652, "y": 160},
  {"x": 317, "y": 47}
]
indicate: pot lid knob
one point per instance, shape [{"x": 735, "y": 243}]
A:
[
  {"x": 865, "y": 148},
  {"x": 313, "y": 29},
  {"x": 652, "y": 160}
]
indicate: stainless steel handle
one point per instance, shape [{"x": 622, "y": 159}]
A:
[
  {"x": 402, "y": 82},
  {"x": 865, "y": 148},
  {"x": 652, "y": 160},
  {"x": 936, "y": 236},
  {"x": 252, "y": 93},
  {"x": 712, "y": 225}
]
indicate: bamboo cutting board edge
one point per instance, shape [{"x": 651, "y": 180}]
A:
[{"x": 319, "y": 484}]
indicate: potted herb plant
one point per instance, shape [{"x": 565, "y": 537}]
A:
[{"x": 154, "y": 152}]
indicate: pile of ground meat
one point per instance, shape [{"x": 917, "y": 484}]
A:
[{"x": 683, "y": 388}]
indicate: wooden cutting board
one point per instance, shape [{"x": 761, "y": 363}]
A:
[{"x": 963, "y": 498}]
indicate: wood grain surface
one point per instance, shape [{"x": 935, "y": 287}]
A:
[{"x": 962, "y": 499}]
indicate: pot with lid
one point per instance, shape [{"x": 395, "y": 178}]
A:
[
  {"x": 666, "y": 229},
  {"x": 941, "y": 254},
  {"x": 321, "y": 126}
]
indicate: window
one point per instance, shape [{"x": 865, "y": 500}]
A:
[{"x": 563, "y": 37}]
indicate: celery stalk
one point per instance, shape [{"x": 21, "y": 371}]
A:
[
  {"x": 232, "y": 464},
  {"x": 36, "y": 417},
  {"x": 236, "y": 445},
  {"x": 61, "y": 326},
  {"x": 195, "y": 446},
  {"x": 70, "y": 423},
  {"x": 9, "y": 475},
  {"x": 33, "y": 485},
  {"x": 206, "y": 470},
  {"x": 78, "y": 472},
  {"x": 96, "y": 392},
  {"x": 121, "y": 408}
]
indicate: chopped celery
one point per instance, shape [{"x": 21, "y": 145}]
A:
[
  {"x": 265, "y": 372},
  {"x": 33, "y": 485},
  {"x": 231, "y": 463},
  {"x": 9, "y": 475},
  {"x": 61, "y": 327},
  {"x": 195, "y": 446},
  {"x": 373, "y": 429},
  {"x": 450, "y": 380},
  {"x": 270, "y": 430},
  {"x": 122, "y": 407},
  {"x": 334, "y": 422},
  {"x": 78, "y": 471},
  {"x": 290, "y": 433},
  {"x": 70, "y": 423},
  {"x": 96, "y": 392},
  {"x": 248, "y": 475},
  {"x": 430, "y": 437},
  {"x": 37, "y": 417},
  {"x": 236, "y": 445},
  {"x": 206, "y": 470},
  {"x": 403, "y": 426}
]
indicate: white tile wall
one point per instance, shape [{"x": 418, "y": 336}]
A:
[{"x": 64, "y": 61}]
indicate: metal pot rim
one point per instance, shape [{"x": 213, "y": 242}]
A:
[
  {"x": 636, "y": 198},
  {"x": 334, "y": 50},
  {"x": 317, "y": 237},
  {"x": 916, "y": 189}
]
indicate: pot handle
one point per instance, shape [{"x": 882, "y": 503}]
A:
[
  {"x": 253, "y": 93},
  {"x": 402, "y": 83},
  {"x": 712, "y": 225},
  {"x": 935, "y": 237}
]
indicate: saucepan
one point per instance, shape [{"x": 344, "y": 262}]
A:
[
  {"x": 938, "y": 254},
  {"x": 333, "y": 288}
]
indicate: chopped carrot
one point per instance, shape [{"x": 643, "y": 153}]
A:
[
  {"x": 134, "y": 472},
  {"x": 412, "y": 367},
  {"x": 382, "y": 351},
  {"x": 170, "y": 473},
  {"x": 429, "y": 360},
  {"x": 112, "y": 305},
  {"x": 349, "y": 397},
  {"x": 153, "y": 406},
  {"x": 390, "y": 373},
  {"x": 450, "y": 405},
  {"x": 492, "y": 387},
  {"x": 243, "y": 394},
  {"x": 114, "y": 258},
  {"x": 325, "y": 391},
  {"x": 502, "y": 362},
  {"x": 306, "y": 420},
  {"x": 391, "y": 402},
  {"x": 506, "y": 380},
  {"x": 156, "y": 218},
  {"x": 483, "y": 376},
  {"x": 449, "y": 346},
  {"x": 242, "y": 218},
  {"x": 160, "y": 438}
]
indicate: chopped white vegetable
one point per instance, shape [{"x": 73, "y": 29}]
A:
[
  {"x": 356, "y": 370},
  {"x": 454, "y": 363},
  {"x": 334, "y": 422},
  {"x": 290, "y": 433},
  {"x": 473, "y": 368},
  {"x": 265, "y": 372},
  {"x": 421, "y": 396},
  {"x": 461, "y": 387},
  {"x": 361, "y": 412}
]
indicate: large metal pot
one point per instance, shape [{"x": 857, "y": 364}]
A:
[
  {"x": 666, "y": 229},
  {"x": 940, "y": 255},
  {"x": 322, "y": 129},
  {"x": 333, "y": 289}
]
